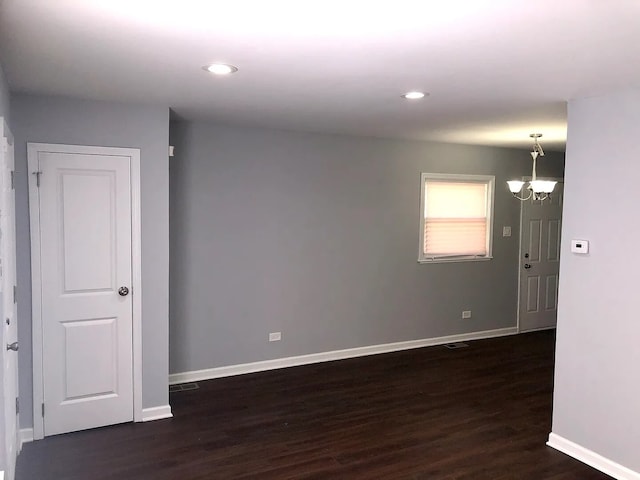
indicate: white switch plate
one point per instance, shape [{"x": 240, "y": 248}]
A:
[
  {"x": 580, "y": 246},
  {"x": 275, "y": 336},
  {"x": 466, "y": 314},
  {"x": 506, "y": 231}
]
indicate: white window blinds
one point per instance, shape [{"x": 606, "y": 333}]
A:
[{"x": 456, "y": 218}]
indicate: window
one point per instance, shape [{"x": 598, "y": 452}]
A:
[{"x": 455, "y": 217}]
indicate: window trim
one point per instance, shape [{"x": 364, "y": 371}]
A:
[{"x": 490, "y": 181}]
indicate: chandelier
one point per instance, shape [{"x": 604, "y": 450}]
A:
[{"x": 538, "y": 189}]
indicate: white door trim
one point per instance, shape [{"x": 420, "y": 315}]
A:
[
  {"x": 518, "y": 264},
  {"x": 519, "y": 261},
  {"x": 36, "y": 286},
  {"x": 12, "y": 445}
]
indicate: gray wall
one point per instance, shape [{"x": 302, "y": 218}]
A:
[
  {"x": 316, "y": 236},
  {"x": 597, "y": 379},
  {"x": 63, "y": 120}
]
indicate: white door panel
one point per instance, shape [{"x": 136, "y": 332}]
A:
[
  {"x": 95, "y": 374},
  {"x": 88, "y": 254},
  {"x": 87, "y": 330},
  {"x": 551, "y": 294},
  {"x": 540, "y": 261},
  {"x": 533, "y": 294},
  {"x": 553, "y": 242}
]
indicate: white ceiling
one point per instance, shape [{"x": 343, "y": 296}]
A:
[{"x": 496, "y": 70}]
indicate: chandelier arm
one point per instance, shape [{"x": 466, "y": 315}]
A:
[{"x": 523, "y": 199}]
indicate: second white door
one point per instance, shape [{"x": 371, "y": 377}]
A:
[{"x": 85, "y": 279}]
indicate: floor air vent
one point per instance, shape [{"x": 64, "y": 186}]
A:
[
  {"x": 456, "y": 345},
  {"x": 183, "y": 387}
]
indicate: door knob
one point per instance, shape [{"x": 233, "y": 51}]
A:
[
  {"x": 12, "y": 346},
  {"x": 527, "y": 266},
  {"x": 123, "y": 291}
]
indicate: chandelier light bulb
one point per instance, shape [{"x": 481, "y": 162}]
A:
[{"x": 515, "y": 185}]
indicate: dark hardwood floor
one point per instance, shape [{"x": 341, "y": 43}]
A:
[{"x": 482, "y": 412}]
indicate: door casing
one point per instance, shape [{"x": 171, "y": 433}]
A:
[
  {"x": 36, "y": 286},
  {"x": 11, "y": 444}
]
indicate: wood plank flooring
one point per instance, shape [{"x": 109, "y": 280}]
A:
[{"x": 482, "y": 412}]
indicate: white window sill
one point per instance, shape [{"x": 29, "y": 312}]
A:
[{"x": 454, "y": 259}]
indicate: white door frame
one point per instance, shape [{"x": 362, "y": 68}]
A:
[
  {"x": 15, "y": 444},
  {"x": 36, "y": 287},
  {"x": 519, "y": 263}
]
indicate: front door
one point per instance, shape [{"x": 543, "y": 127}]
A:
[
  {"x": 540, "y": 261},
  {"x": 9, "y": 341},
  {"x": 85, "y": 277}
]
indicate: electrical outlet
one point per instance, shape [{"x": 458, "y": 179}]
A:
[
  {"x": 466, "y": 314},
  {"x": 275, "y": 336}
]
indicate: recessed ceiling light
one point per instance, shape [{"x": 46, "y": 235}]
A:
[
  {"x": 414, "y": 95},
  {"x": 220, "y": 68}
]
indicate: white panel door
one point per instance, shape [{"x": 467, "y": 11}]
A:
[
  {"x": 85, "y": 272},
  {"x": 540, "y": 261},
  {"x": 9, "y": 343}
]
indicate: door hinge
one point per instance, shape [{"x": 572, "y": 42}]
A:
[
  {"x": 13, "y": 185},
  {"x": 37, "y": 174},
  {"x": 43, "y": 409},
  {"x": 15, "y": 294},
  {"x": 17, "y": 405}
]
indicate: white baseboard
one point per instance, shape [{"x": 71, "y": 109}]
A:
[
  {"x": 231, "y": 370},
  {"x": 591, "y": 458},
  {"x": 148, "y": 414},
  {"x": 541, "y": 329},
  {"x": 26, "y": 436},
  {"x": 156, "y": 413}
]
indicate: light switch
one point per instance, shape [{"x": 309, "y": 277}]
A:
[
  {"x": 579, "y": 246},
  {"x": 506, "y": 231}
]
